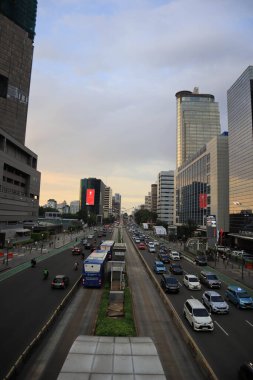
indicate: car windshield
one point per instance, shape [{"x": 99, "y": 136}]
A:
[
  {"x": 177, "y": 266},
  {"x": 217, "y": 299},
  {"x": 212, "y": 277},
  {"x": 159, "y": 265},
  {"x": 193, "y": 279},
  {"x": 243, "y": 295},
  {"x": 200, "y": 312},
  {"x": 171, "y": 280},
  {"x": 58, "y": 280}
]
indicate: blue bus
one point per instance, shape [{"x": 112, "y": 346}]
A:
[
  {"x": 94, "y": 269},
  {"x": 108, "y": 245}
]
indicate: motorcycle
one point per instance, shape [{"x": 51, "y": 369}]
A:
[
  {"x": 45, "y": 274},
  {"x": 33, "y": 263}
]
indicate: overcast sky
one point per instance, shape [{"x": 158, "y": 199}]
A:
[{"x": 105, "y": 73}]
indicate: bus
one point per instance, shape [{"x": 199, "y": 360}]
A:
[
  {"x": 108, "y": 245},
  {"x": 94, "y": 269}
]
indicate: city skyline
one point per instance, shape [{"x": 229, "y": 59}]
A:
[{"x": 102, "y": 104}]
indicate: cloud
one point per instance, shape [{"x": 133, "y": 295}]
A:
[{"x": 105, "y": 74}]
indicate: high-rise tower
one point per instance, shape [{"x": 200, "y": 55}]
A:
[
  {"x": 240, "y": 140},
  {"x": 198, "y": 120},
  {"x": 19, "y": 178}
]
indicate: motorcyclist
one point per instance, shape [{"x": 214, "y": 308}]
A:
[
  {"x": 45, "y": 274},
  {"x": 33, "y": 263},
  {"x": 75, "y": 266}
]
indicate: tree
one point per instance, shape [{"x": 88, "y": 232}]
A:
[
  {"x": 145, "y": 216},
  {"x": 42, "y": 210}
]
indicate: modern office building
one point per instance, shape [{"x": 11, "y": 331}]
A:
[
  {"x": 240, "y": 128},
  {"x": 108, "y": 202},
  {"x": 74, "y": 207},
  {"x": 165, "y": 196},
  {"x": 148, "y": 202},
  {"x": 154, "y": 197},
  {"x": 19, "y": 178},
  {"x": 116, "y": 205},
  {"x": 201, "y": 185},
  {"x": 198, "y": 120},
  {"x": 92, "y": 194}
]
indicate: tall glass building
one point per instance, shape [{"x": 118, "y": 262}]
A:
[
  {"x": 165, "y": 196},
  {"x": 240, "y": 127},
  {"x": 198, "y": 121}
]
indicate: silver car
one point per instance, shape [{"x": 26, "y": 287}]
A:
[
  {"x": 209, "y": 279},
  {"x": 214, "y": 302}
]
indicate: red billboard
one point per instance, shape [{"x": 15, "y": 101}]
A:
[
  {"x": 202, "y": 200},
  {"x": 90, "y": 196}
]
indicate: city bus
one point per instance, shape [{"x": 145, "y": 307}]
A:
[
  {"x": 94, "y": 269},
  {"x": 108, "y": 245}
]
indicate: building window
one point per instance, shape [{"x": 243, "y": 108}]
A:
[{"x": 3, "y": 86}]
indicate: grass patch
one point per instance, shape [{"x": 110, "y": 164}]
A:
[{"x": 108, "y": 326}]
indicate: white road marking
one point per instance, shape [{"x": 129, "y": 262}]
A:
[
  {"x": 221, "y": 328},
  {"x": 248, "y": 323}
]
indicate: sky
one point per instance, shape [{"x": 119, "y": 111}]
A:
[{"x": 105, "y": 73}]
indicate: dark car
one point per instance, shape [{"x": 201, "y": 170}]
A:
[
  {"x": 176, "y": 268},
  {"x": 246, "y": 371},
  {"x": 60, "y": 282},
  {"x": 169, "y": 283},
  {"x": 76, "y": 251},
  {"x": 201, "y": 260},
  {"x": 164, "y": 257}
]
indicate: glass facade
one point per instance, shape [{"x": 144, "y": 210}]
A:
[
  {"x": 198, "y": 120},
  {"x": 99, "y": 187},
  {"x": 191, "y": 182},
  {"x": 240, "y": 127}
]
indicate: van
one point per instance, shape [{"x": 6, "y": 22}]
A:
[{"x": 197, "y": 315}]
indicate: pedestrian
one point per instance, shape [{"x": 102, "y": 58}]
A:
[{"x": 223, "y": 258}]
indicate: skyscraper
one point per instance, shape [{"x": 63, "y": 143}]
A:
[
  {"x": 165, "y": 196},
  {"x": 240, "y": 139},
  {"x": 92, "y": 194},
  {"x": 198, "y": 120},
  {"x": 19, "y": 178}
]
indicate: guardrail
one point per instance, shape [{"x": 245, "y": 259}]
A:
[
  {"x": 198, "y": 356},
  {"x": 15, "y": 369}
]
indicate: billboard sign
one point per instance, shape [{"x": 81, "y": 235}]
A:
[
  {"x": 202, "y": 200},
  {"x": 90, "y": 197}
]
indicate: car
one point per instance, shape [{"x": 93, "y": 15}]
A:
[
  {"x": 169, "y": 284},
  {"x": 214, "y": 302},
  {"x": 239, "y": 297},
  {"x": 200, "y": 260},
  {"x": 164, "y": 257},
  {"x": 246, "y": 371},
  {"x": 76, "y": 251},
  {"x": 176, "y": 268},
  {"x": 210, "y": 279},
  {"x": 174, "y": 255},
  {"x": 141, "y": 246},
  {"x": 191, "y": 282},
  {"x": 60, "y": 281},
  {"x": 151, "y": 248},
  {"x": 137, "y": 240},
  {"x": 84, "y": 241},
  {"x": 197, "y": 315},
  {"x": 87, "y": 245},
  {"x": 159, "y": 267}
]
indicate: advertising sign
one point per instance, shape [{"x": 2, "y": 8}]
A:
[
  {"x": 202, "y": 200},
  {"x": 90, "y": 196}
]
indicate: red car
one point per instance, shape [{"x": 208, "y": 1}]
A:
[
  {"x": 76, "y": 251},
  {"x": 141, "y": 246}
]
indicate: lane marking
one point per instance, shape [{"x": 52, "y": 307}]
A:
[
  {"x": 221, "y": 328},
  {"x": 249, "y": 323}
]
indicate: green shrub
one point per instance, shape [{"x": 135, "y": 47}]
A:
[{"x": 111, "y": 326}]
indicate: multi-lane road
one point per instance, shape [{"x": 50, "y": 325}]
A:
[
  {"x": 230, "y": 344},
  {"x": 27, "y": 302}
]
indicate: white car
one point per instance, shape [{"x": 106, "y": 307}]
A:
[
  {"x": 191, "y": 282},
  {"x": 151, "y": 248},
  {"x": 174, "y": 255},
  {"x": 197, "y": 315}
]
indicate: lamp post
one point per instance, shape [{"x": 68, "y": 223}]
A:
[
  {"x": 7, "y": 252},
  {"x": 42, "y": 235}
]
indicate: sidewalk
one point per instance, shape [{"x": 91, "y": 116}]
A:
[{"x": 38, "y": 251}]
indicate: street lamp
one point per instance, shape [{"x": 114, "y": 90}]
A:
[
  {"x": 42, "y": 235},
  {"x": 7, "y": 252}
]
